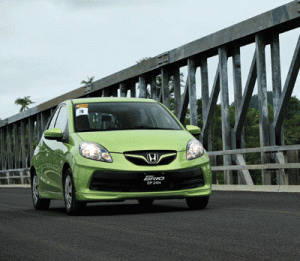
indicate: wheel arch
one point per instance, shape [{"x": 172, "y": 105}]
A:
[
  {"x": 32, "y": 172},
  {"x": 66, "y": 166}
]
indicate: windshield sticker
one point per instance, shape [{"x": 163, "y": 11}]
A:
[
  {"x": 82, "y": 106},
  {"x": 82, "y": 111}
]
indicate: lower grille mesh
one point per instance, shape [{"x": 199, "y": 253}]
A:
[{"x": 146, "y": 181}]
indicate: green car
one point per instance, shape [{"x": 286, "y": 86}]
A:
[{"x": 117, "y": 149}]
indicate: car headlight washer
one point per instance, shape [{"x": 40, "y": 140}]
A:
[
  {"x": 94, "y": 151},
  {"x": 194, "y": 149}
]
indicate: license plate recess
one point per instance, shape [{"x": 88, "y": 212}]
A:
[{"x": 154, "y": 179}]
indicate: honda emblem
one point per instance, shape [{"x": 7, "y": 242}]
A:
[{"x": 152, "y": 158}]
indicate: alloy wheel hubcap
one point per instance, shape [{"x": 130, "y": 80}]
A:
[{"x": 68, "y": 192}]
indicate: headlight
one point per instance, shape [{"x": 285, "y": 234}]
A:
[
  {"x": 194, "y": 149},
  {"x": 94, "y": 151}
]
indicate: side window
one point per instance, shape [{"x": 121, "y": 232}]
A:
[
  {"x": 53, "y": 119},
  {"x": 62, "y": 122}
]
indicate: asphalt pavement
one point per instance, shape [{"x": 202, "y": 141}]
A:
[{"x": 234, "y": 226}]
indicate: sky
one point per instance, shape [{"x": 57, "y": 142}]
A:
[{"x": 47, "y": 47}]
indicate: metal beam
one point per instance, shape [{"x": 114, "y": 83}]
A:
[
  {"x": 132, "y": 89},
  {"x": 192, "y": 91},
  {"x": 123, "y": 89},
  {"x": 16, "y": 145},
  {"x": 23, "y": 144},
  {"x": 282, "y": 178},
  {"x": 226, "y": 131},
  {"x": 240, "y": 120},
  {"x": 280, "y": 19},
  {"x": 263, "y": 104},
  {"x": 244, "y": 175},
  {"x": 205, "y": 100},
  {"x": 211, "y": 105},
  {"x": 9, "y": 147},
  {"x": 165, "y": 87},
  {"x": 288, "y": 89},
  {"x": 153, "y": 87},
  {"x": 142, "y": 86},
  {"x": 31, "y": 132},
  {"x": 114, "y": 92},
  {"x": 184, "y": 103},
  {"x": 106, "y": 92},
  {"x": 177, "y": 90},
  {"x": 3, "y": 139},
  {"x": 237, "y": 84}
]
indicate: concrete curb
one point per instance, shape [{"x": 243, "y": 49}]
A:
[
  {"x": 290, "y": 188},
  {"x": 15, "y": 186},
  {"x": 258, "y": 188}
]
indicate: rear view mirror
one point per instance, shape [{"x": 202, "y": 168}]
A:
[
  {"x": 53, "y": 134},
  {"x": 194, "y": 130}
]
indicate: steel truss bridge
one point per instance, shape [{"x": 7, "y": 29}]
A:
[{"x": 19, "y": 132}]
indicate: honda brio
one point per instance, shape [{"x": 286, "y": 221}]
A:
[{"x": 117, "y": 149}]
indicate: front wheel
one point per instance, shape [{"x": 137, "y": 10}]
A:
[
  {"x": 197, "y": 202},
  {"x": 73, "y": 206},
  {"x": 38, "y": 203}
]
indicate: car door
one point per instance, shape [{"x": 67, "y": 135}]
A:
[
  {"x": 59, "y": 150},
  {"x": 44, "y": 153}
]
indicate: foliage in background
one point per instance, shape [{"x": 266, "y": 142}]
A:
[
  {"x": 23, "y": 102},
  {"x": 88, "y": 82},
  {"x": 291, "y": 129}
]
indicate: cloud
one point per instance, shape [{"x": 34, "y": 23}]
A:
[
  {"x": 48, "y": 47},
  {"x": 80, "y": 4}
]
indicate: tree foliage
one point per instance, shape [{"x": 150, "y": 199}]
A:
[
  {"x": 291, "y": 130},
  {"x": 88, "y": 82},
  {"x": 23, "y": 102}
]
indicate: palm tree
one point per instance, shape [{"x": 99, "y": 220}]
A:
[
  {"x": 88, "y": 82},
  {"x": 24, "y": 103}
]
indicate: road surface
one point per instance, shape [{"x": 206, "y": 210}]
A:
[{"x": 234, "y": 226}]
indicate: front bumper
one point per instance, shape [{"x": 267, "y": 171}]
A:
[
  {"x": 102, "y": 196},
  {"x": 94, "y": 181}
]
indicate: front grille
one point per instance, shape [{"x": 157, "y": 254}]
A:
[
  {"x": 146, "y": 181},
  {"x": 141, "y": 158}
]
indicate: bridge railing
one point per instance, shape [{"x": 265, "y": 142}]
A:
[
  {"x": 22, "y": 176},
  {"x": 20, "y": 133},
  {"x": 15, "y": 176}
]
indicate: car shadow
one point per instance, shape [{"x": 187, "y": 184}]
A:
[{"x": 128, "y": 208}]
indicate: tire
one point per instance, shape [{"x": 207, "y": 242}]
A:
[
  {"x": 197, "y": 203},
  {"x": 38, "y": 203},
  {"x": 146, "y": 202},
  {"x": 73, "y": 207}
]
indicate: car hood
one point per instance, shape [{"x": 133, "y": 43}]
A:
[{"x": 132, "y": 140}]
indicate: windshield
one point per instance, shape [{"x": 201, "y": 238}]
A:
[{"x": 104, "y": 116}]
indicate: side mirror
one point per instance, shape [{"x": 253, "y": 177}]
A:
[
  {"x": 194, "y": 130},
  {"x": 53, "y": 134}
]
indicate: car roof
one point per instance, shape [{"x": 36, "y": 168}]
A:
[{"x": 110, "y": 99}]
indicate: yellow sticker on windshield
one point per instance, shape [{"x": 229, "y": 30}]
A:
[{"x": 82, "y": 106}]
